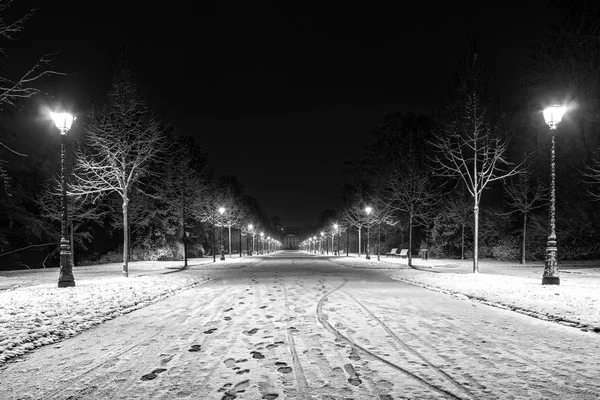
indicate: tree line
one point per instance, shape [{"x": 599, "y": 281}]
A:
[
  {"x": 473, "y": 179},
  {"x": 132, "y": 178}
]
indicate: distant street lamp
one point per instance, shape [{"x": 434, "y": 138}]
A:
[
  {"x": 553, "y": 115},
  {"x": 63, "y": 122},
  {"x": 222, "y": 211},
  {"x": 368, "y": 211}
]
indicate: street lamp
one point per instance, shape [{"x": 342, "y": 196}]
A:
[
  {"x": 368, "y": 211},
  {"x": 553, "y": 115},
  {"x": 251, "y": 231},
  {"x": 222, "y": 211},
  {"x": 63, "y": 122}
]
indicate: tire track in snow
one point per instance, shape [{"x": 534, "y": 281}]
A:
[
  {"x": 298, "y": 370},
  {"x": 109, "y": 357},
  {"x": 410, "y": 349},
  {"x": 338, "y": 334}
]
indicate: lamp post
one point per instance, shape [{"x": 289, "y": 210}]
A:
[
  {"x": 251, "y": 231},
  {"x": 368, "y": 211},
  {"x": 63, "y": 122},
  {"x": 553, "y": 115},
  {"x": 222, "y": 211}
]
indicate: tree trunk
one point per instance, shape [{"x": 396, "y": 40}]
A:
[
  {"x": 410, "y": 228},
  {"x": 359, "y": 240},
  {"x": 125, "y": 237},
  {"x": 524, "y": 237},
  {"x": 184, "y": 241},
  {"x": 229, "y": 227},
  {"x": 462, "y": 242},
  {"x": 378, "y": 241},
  {"x": 347, "y": 243},
  {"x": 476, "y": 240},
  {"x": 240, "y": 246}
]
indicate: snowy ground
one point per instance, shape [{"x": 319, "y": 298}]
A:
[
  {"x": 297, "y": 326},
  {"x": 34, "y": 312},
  {"x": 575, "y": 302}
]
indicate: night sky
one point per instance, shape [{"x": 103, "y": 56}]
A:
[{"x": 280, "y": 96}]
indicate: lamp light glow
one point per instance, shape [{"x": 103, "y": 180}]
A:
[
  {"x": 553, "y": 115},
  {"x": 63, "y": 121}
]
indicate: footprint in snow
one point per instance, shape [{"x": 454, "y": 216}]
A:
[
  {"x": 194, "y": 348},
  {"x": 153, "y": 374},
  {"x": 257, "y": 355},
  {"x": 211, "y": 330},
  {"x": 251, "y": 331},
  {"x": 284, "y": 370}
]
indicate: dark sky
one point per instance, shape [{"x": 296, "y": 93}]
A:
[{"x": 281, "y": 96}]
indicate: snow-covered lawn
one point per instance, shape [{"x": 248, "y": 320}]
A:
[
  {"x": 34, "y": 316},
  {"x": 35, "y": 312},
  {"x": 575, "y": 302}
]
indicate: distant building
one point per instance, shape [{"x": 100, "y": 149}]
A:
[{"x": 291, "y": 242}]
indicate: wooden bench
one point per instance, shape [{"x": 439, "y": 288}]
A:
[
  {"x": 403, "y": 253},
  {"x": 393, "y": 252}
]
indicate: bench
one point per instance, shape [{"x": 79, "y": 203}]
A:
[
  {"x": 403, "y": 253},
  {"x": 393, "y": 252}
]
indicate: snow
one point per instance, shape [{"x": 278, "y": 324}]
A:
[
  {"x": 34, "y": 314},
  {"x": 297, "y": 327},
  {"x": 575, "y": 302}
]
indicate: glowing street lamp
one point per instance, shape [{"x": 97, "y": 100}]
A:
[
  {"x": 252, "y": 232},
  {"x": 368, "y": 211},
  {"x": 222, "y": 211},
  {"x": 553, "y": 115},
  {"x": 63, "y": 122}
]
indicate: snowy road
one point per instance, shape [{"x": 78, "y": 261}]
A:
[{"x": 296, "y": 326}]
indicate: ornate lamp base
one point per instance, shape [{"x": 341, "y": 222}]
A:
[
  {"x": 551, "y": 280},
  {"x": 550, "y": 276},
  {"x": 65, "y": 276}
]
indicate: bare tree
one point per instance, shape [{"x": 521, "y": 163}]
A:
[
  {"x": 235, "y": 215},
  {"x": 124, "y": 139},
  {"x": 13, "y": 90},
  {"x": 470, "y": 146},
  {"x": 383, "y": 215},
  {"x": 184, "y": 184},
  {"x": 591, "y": 175},
  {"x": 413, "y": 193},
  {"x": 354, "y": 215},
  {"x": 524, "y": 195},
  {"x": 459, "y": 210}
]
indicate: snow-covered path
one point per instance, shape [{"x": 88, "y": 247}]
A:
[{"x": 296, "y": 326}]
